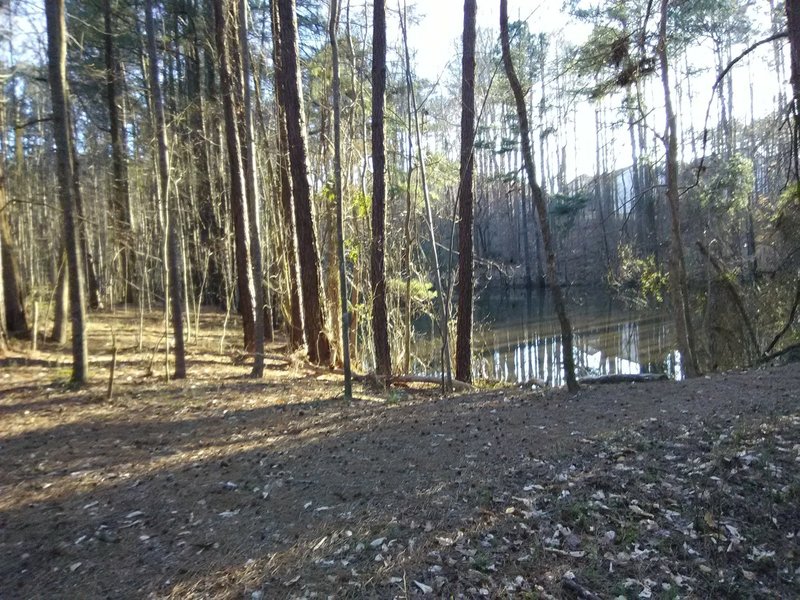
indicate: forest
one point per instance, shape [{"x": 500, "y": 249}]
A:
[
  {"x": 198, "y": 167},
  {"x": 254, "y": 250}
]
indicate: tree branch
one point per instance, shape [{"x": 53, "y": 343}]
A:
[
  {"x": 737, "y": 298},
  {"x": 787, "y": 326},
  {"x": 720, "y": 77}
]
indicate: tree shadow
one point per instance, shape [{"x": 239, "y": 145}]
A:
[{"x": 162, "y": 499}]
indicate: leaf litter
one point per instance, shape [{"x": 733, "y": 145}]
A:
[{"x": 224, "y": 488}]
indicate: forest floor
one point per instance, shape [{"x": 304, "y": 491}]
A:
[{"x": 221, "y": 486}]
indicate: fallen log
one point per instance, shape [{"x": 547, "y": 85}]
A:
[
  {"x": 459, "y": 386},
  {"x": 621, "y": 378},
  {"x": 372, "y": 379}
]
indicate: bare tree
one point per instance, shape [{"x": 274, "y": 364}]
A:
[
  {"x": 466, "y": 197},
  {"x": 3, "y": 207},
  {"x": 793, "y": 21},
  {"x": 295, "y": 317},
  {"x": 380, "y": 326},
  {"x": 59, "y": 332},
  {"x": 263, "y": 306},
  {"x": 441, "y": 291},
  {"x": 120, "y": 199},
  {"x": 539, "y": 203},
  {"x": 337, "y": 174},
  {"x": 229, "y": 57},
  {"x": 173, "y": 263},
  {"x": 57, "y": 72},
  {"x": 679, "y": 288},
  {"x": 16, "y": 320},
  {"x": 291, "y": 98}
]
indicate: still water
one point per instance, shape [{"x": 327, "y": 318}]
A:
[{"x": 517, "y": 338}]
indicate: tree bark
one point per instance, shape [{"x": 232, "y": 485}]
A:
[
  {"x": 252, "y": 192},
  {"x": 16, "y": 319},
  {"x": 538, "y": 198},
  {"x": 337, "y": 176},
  {"x": 793, "y": 21},
  {"x": 3, "y": 208},
  {"x": 173, "y": 258},
  {"x": 57, "y": 72},
  {"x": 679, "y": 288},
  {"x": 291, "y": 98},
  {"x": 380, "y": 325},
  {"x": 84, "y": 234},
  {"x": 120, "y": 200},
  {"x": 444, "y": 303},
  {"x": 466, "y": 198},
  {"x": 295, "y": 321},
  {"x": 225, "y": 19},
  {"x": 59, "y": 333}
]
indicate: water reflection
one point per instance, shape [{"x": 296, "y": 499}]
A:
[{"x": 517, "y": 339}]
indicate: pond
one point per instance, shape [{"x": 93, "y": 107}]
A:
[{"x": 517, "y": 338}]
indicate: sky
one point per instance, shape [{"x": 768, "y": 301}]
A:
[
  {"x": 438, "y": 35},
  {"x": 437, "y": 39}
]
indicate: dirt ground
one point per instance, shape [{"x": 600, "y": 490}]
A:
[{"x": 221, "y": 486}]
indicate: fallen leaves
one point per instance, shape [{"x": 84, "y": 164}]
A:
[{"x": 503, "y": 497}]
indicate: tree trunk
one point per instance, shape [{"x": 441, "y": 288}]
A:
[
  {"x": 444, "y": 304},
  {"x": 3, "y": 208},
  {"x": 208, "y": 273},
  {"x": 229, "y": 57},
  {"x": 291, "y": 98},
  {"x": 120, "y": 200},
  {"x": 263, "y": 308},
  {"x": 793, "y": 20},
  {"x": 84, "y": 237},
  {"x": 16, "y": 320},
  {"x": 337, "y": 175},
  {"x": 679, "y": 288},
  {"x": 57, "y": 72},
  {"x": 59, "y": 333},
  {"x": 776, "y": 25},
  {"x": 466, "y": 198},
  {"x": 538, "y": 198},
  {"x": 407, "y": 225},
  {"x": 295, "y": 321},
  {"x": 173, "y": 262},
  {"x": 380, "y": 326}
]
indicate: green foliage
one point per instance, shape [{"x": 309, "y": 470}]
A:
[
  {"x": 718, "y": 20},
  {"x": 527, "y": 51},
  {"x": 728, "y": 189},
  {"x": 641, "y": 275},
  {"x": 621, "y": 49},
  {"x": 484, "y": 138},
  {"x": 564, "y": 208},
  {"x": 351, "y": 250},
  {"x": 507, "y": 145},
  {"x": 617, "y": 53},
  {"x": 326, "y": 194},
  {"x": 362, "y": 205},
  {"x": 442, "y": 173},
  {"x": 422, "y": 293},
  {"x": 787, "y": 215}
]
